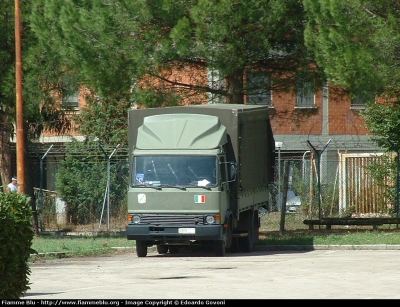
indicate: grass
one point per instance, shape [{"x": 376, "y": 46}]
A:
[
  {"x": 51, "y": 246},
  {"x": 295, "y": 233},
  {"x": 351, "y": 237}
]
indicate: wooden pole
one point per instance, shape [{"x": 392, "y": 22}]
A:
[{"x": 19, "y": 102}]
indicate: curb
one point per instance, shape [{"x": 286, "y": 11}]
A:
[{"x": 325, "y": 247}]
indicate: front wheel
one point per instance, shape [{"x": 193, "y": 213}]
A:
[
  {"x": 174, "y": 249},
  {"x": 162, "y": 249},
  {"x": 141, "y": 248},
  {"x": 219, "y": 248}
]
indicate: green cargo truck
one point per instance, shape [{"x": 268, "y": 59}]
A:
[{"x": 199, "y": 174}]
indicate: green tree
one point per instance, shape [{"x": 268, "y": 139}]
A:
[
  {"x": 39, "y": 79},
  {"x": 357, "y": 44},
  {"x": 115, "y": 45},
  {"x": 128, "y": 52},
  {"x": 7, "y": 87}
]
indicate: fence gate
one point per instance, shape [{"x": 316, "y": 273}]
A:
[{"x": 356, "y": 184}]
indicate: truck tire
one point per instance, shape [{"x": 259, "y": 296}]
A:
[
  {"x": 141, "y": 248},
  {"x": 162, "y": 249},
  {"x": 235, "y": 246},
  {"x": 229, "y": 234},
  {"x": 247, "y": 242},
  {"x": 257, "y": 224},
  {"x": 219, "y": 248},
  {"x": 174, "y": 249}
]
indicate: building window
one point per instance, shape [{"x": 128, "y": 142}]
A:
[
  {"x": 216, "y": 82},
  {"x": 304, "y": 92},
  {"x": 359, "y": 100},
  {"x": 70, "y": 93},
  {"x": 259, "y": 88}
]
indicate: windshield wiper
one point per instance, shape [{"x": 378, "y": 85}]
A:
[
  {"x": 173, "y": 186},
  {"x": 146, "y": 186},
  {"x": 198, "y": 186},
  {"x": 183, "y": 188}
]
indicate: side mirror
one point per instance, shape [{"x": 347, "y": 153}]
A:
[{"x": 232, "y": 170}]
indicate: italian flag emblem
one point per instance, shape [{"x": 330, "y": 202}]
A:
[{"x": 199, "y": 199}]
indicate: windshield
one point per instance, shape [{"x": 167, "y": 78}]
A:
[{"x": 174, "y": 170}]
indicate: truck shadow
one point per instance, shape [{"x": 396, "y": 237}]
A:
[{"x": 207, "y": 251}]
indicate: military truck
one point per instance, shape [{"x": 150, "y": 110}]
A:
[{"x": 199, "y": 174}]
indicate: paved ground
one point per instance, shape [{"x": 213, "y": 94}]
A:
[{"x": 322, "y": 273}]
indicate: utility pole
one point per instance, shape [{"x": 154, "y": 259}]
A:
[{"x": 19, "y": 102}]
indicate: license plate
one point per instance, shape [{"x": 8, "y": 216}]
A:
[{"x": 187, "y": 230}]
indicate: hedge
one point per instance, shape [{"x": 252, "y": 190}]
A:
[{"x": 16, "y": 235}]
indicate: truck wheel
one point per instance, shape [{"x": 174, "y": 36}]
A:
[
  {"x": 229, "y": 234},
  {"x": 219, "y": 248},
  {"x": 247, "y": 241},
  {"x": 162, "y": 249},
  {"x": 141, "y": 248},
  {"x": 235, "y": 245},
  {"x": 257, "y": 223},
  {"x": 174, "y": 249}
]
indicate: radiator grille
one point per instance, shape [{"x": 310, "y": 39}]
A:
[{"x": 171, "y": 219}]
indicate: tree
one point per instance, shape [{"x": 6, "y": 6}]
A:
[
  {"x": 139, "y": 49},
  {"x": 158, "y": 53},
  {"x": 40, "y": 109},
  {"x": 39, "y": 105},
  {"x": 7, "y": 86},
  {"x": 357, "y": 44}
]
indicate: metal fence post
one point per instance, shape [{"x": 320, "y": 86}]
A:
[{"x": 318, "y": 154}]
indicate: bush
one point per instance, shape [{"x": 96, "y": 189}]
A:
[
  {"x": 16, "y": 235},
  {"x": 82, "y": 178}
]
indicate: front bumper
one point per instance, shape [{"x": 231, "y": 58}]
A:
[{"x": 174, "y": 233}]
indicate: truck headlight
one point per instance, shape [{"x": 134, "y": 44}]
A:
[
  {"x": 135, "y": 219},
  {"x": 210, "y": 219}
]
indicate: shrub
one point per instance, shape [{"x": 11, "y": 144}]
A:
[
  {"x": 16, "y": 235},
  {"x": 81, "y": 180}
]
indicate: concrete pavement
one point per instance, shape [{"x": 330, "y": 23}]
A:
[{"x": 317, "y": 272}]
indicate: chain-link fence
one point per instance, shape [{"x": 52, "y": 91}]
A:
[
  {"x": 95, "y": 193},
  {"x": 348, "y": 186},
  {"x": 342, "y": 187}
]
